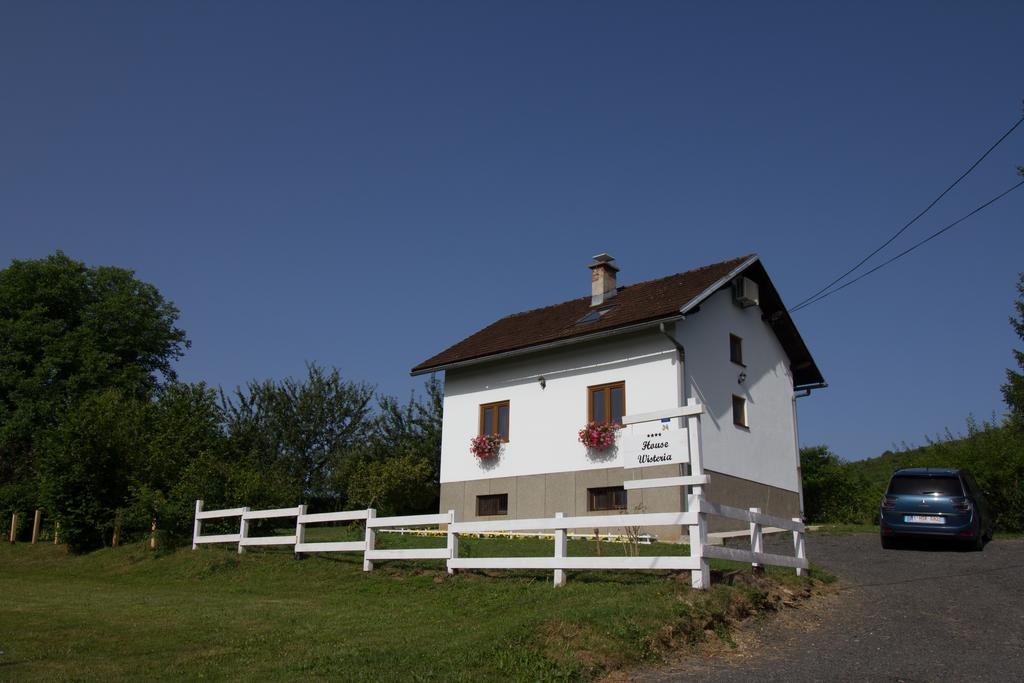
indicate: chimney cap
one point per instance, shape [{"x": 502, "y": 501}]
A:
[{"x": 605, "y": 260}]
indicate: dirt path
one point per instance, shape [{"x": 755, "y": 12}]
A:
[{"x": 921, "y": 614}]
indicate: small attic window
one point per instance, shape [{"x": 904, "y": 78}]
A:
[{"x": 594, "y": 315}]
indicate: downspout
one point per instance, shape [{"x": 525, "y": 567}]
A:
[
  {"x": 681, "y": 378},
  {"x": 682, "y": 361},
  {"x": 796, "y": 445},
  {"x": 796, "y": 437}
]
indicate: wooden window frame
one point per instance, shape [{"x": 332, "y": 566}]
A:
[
  {"x": 499, "y": 497},
  {"x": 607, "y": 399},
  {"x": 493, "y": 428},
  {"x": 740, "y": 418},
  {"x": 736, "y": 350},
  {"x": 592, "y": 498}
]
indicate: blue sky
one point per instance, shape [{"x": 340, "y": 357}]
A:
[{"x": 362, "y": 184}]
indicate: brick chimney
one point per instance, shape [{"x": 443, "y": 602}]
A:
[{"x": 602, "y": 279}]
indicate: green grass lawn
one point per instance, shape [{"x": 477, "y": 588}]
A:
[{"x": 129, "y": 613}]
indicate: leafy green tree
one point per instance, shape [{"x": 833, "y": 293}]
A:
[
  {"x": 832, "y": 491},
  {"x": 398, "y": 470},
  {"x": 86, "y": 468},
  {"x": 1013, "y": 390},
  {"x": 402, "y": 484},
  {"x": 293, "y": 435},
  {"x": 67, "y": 333},
  {"x": 184, "y": 435},
  {"x": 116, "y": 457}
]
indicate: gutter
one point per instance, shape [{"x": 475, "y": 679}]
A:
[
  {"x": 661, "y": 322},
  {"x": 675, "y": 342},
  {"x": 807, "y": 389}
]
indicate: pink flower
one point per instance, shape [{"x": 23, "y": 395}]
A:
[{"x": 599, "y": 435}]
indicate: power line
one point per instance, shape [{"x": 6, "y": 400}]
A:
[
  {"x": 908, "y": 250},
  {"x": 912, "y": 220}
]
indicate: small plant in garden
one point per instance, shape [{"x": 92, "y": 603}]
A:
[
  {"x": 485, "y": 446},
  {"x": 599, "y": 435},
  {"x": 633, "y": 535}
]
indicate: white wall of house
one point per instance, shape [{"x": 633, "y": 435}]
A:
[
  {"x": 766, "y": 452},
  {"x": 543, "y": 422}
]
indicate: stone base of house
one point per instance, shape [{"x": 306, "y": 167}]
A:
[
  {"x": 542, "y": 495},
  {"x": 744, "y": 493}
]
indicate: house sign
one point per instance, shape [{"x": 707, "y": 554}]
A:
[{"x": 654, "y": 445}]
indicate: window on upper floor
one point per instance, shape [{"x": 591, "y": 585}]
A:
[
  {"x": 739, "y": 412},
  {"x": 494, "y": 419},
  {"x": 606, "y": 402},
  {"x": 735, "y": 349}
]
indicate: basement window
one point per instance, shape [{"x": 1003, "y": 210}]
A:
[
  {"x": 606, "y": 498},
  {"x": 495, "y": 504}
]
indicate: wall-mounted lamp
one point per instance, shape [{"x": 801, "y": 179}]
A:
[
  {"x": 543, "y": 382},
  {"x": 742, "y": 378}
]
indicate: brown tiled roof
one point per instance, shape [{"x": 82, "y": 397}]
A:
[{"x": 638, "y": 303}]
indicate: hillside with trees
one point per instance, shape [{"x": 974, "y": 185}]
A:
[
  {"x": 97, "y": 430},
  {"x": 850, "y": 492}
]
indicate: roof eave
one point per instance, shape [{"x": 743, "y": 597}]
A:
[
  {"x": 567, "y": 341},
  {"x": 697, "y": 300},
  {"x": 819, "y": 381}
]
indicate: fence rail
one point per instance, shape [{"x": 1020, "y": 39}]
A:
[
  {"x": 558, "y": 562},
  {"x": 587, "y": 522}
]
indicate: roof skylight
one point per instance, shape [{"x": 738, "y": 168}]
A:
[{"x": 594, "y": 315}]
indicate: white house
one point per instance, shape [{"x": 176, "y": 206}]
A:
[{"x": 719, "y": 334}]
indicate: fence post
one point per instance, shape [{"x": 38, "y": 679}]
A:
[
  {"x": 756, "y": 542},
  {"x": 699, "y": 578},
  {"x": 115, "y": 540},
  {"x": 35, "y": 525},
  {"x": 560, "y": 551},
  {"x": 300, "y": 531},
  {"x": 371, "y": 540},
  {"x": 243, "y": 530},
  {"x": 798, "y": 546},
  {"x": 197, "y": 526},
  {"x": 56, "y": 531},
  {"x": 453, "y": 541},
  {"x": 14, "y": 528}
]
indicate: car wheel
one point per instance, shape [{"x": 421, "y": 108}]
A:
[{"x": 888, "y": 542}]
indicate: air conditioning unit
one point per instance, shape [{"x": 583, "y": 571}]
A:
[{"x": 746, "y": 292}]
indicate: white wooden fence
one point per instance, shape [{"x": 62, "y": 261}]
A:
[
  {"x": 367, "y": 546},
  {"x": 558, "y": 562},
  {"x": 695, "y": 518}
]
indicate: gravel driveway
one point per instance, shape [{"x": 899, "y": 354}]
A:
[{"x": 921, "y": 614}]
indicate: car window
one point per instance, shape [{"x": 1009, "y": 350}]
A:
[
  {"x": 969, "y": 486},
  {"x": 972, "y": 486},
  {"x": 919, "y": 485}
]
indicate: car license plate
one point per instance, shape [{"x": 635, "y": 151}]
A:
[{"x": 924, "y": 519}]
